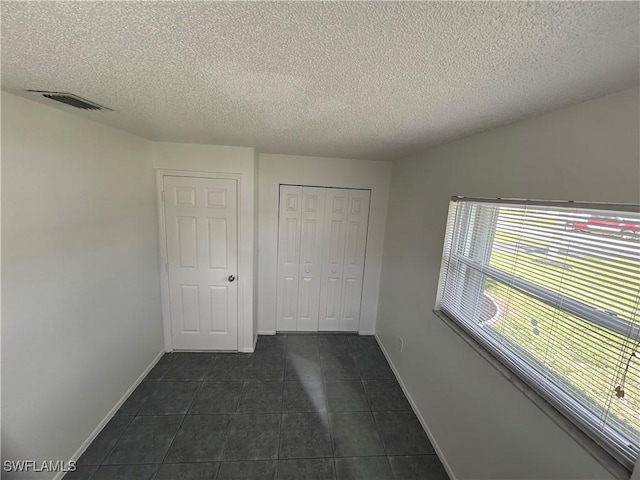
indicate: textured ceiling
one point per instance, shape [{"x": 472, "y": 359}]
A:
[{"x": 345, "y": 79}]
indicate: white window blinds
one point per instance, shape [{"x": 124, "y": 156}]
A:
[{"x": 553, "y": 291}]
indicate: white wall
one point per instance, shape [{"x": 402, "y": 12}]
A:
[
  {"x": 484, "y": 427},
  {"x": 224, "y": 160},
  {"x": 326, "y": 172},
  {"x": 81, "y": 303}
]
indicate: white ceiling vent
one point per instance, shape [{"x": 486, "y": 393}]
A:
[{"x": 71, "y": 100}]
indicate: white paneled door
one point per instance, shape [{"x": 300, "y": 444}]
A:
[
  {"x": 321, "y": 252},
  {"x": 335, "y": 228},
  {"x": 354, "y": 254},
  {"x": 201, "y": 219},
  {"x": 310, "y": 258},
  {"x": 289, "y": 229}
]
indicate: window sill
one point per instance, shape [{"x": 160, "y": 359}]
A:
[{"x": 604, "y": 458}]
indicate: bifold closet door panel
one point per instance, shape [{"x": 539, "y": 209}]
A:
[
  {"x": 354, "y": 256},
  {"x": 333, "y": 249},
  {"x": 289, "y": 232},
  {"x": 313, "y": 207}
]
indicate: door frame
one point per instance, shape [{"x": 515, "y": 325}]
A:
[{"x": 245, "y": 268}]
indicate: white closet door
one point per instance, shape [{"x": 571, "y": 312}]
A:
[
  {"x": 353, "y": 274},
  {"x": 289, "y": 230},
  {"x": 335, "y": 228},
  {"x": 322, "y": 236},
  {"x": 313, "y": 202}
]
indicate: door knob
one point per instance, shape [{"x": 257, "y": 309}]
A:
[
  {"x": 231, "y": 278},
  {"x": 333, "y": 271}
]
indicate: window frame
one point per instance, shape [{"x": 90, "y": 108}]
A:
[{"x": 554, "y": 402}]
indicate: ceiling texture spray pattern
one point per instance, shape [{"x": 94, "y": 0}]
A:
[{"x": 374, "y": 80}]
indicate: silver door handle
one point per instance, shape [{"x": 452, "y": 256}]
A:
[{"x": 231, "y": 278}]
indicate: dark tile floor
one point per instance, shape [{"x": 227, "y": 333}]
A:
[{"x": 300, "y": 407}]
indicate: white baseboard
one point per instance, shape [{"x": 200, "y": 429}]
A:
[
  {"x": 272, "y": 332},
  {"x": 252, "y": 348},
  {"x": 111, "y": 413},
  {"x": 414, "y": 407}
]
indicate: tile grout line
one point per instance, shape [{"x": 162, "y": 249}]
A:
[
  {"x": 226, "y": 440},
  {"x": 115, "y": 444},
  {"x": 284, "y": 373},
  {"x": 231, "y": 418},
  {"x": 333, "y": 453},
  {"x": 130, "y": 422},
  {"x": 155, "y": 386},
  {"x": 335, "y": 459},
  {"x": 186, "y": 413},
  {"x": 267, "y": 459},
  {"x": 384, "y": 445}
]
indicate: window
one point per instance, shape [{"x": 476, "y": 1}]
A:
[{"x": 552, "y": 289}]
